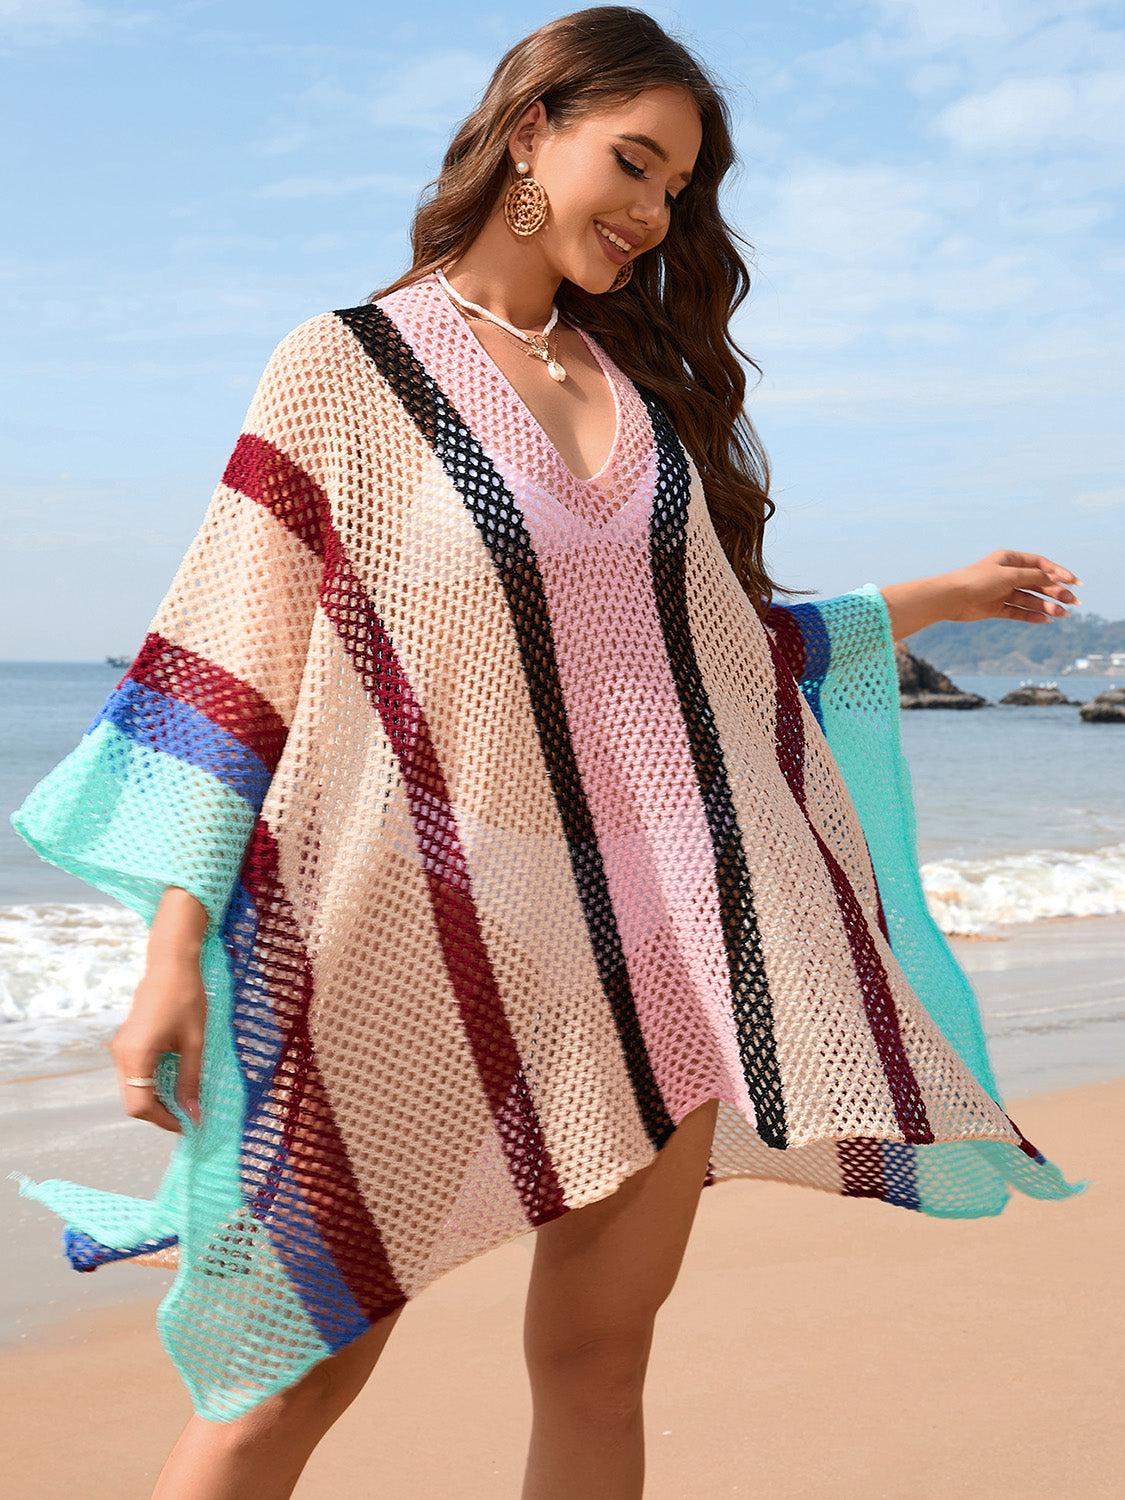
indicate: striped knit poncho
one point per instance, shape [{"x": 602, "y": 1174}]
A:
[{"x": 520, "y": 837}]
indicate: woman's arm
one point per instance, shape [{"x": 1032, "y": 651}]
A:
[
  {"x": 169, "y": 1012},
  {"x": 1006, "y": 585},
  {"x": 179, "y": 927}
]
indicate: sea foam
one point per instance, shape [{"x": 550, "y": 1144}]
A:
[
  {"x": 69, "y": 969},
  {"x": 979, "y": 895}
]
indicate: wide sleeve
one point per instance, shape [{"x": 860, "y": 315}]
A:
[
  {"x": 166, "y": 784},
  {"x": 841, "y": 651}
]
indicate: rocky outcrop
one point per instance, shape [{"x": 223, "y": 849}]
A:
[
  {"x": 922, "y": 686},
  {"x": 1038, "y": 695},
  {"x": 1106, "y": 708}
]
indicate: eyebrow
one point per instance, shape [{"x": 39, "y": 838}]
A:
[{"x": 655, "y": 147}]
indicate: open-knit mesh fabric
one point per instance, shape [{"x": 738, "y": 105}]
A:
[{"x": 520, "y": 836}]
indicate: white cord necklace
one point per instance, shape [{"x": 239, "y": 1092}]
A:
[{"x": 536, "y": 342}]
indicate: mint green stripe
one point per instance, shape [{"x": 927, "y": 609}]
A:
[{"x": 131, "y": 820}]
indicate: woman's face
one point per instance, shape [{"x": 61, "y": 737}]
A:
[{"x": 594, "y": 174}]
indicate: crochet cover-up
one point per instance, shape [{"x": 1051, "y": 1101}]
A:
[{"x": 520, "y": 836}]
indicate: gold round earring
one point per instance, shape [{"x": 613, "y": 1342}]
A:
[
  {"x": 525, "y": 203},
  {"x": 622, "y": 277}
]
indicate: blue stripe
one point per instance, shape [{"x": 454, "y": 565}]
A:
[
  {"x": 277, "y": 1200},
  {"x": 898, "y": 1174},
  {"x": 159, "y": 721},
  {"x": 818, "y": 653},
  {"x": 85, "y": 1253}
]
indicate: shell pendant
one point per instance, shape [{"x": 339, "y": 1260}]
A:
[
  {"x": 554, "y": 369},
  {"x": 538, "y": 348}
]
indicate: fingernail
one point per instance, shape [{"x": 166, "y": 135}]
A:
[{"x": 192, "y": 1107}]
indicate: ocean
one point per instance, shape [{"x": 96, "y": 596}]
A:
[{"x": 1021, "y": 821}]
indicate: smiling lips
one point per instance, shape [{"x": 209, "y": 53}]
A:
[{"x": 616, "y": 247}]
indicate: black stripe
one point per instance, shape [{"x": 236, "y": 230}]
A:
[
  {"x": 498, "y": 518},
  {"x": 751, "y": 1001}
]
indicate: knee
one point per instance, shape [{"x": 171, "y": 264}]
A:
[
  {"x": 306, "y": 1409},
  {"x": 292, "y": 1418},
  {"x": 599, "y": 1377}
]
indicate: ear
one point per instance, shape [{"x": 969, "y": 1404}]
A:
[{"x": 528, "y": 131}]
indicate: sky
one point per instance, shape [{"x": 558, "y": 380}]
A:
[{"x": 932, "y": 190}]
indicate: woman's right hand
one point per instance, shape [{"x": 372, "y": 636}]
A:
[{"x": 168, "y": 1013}]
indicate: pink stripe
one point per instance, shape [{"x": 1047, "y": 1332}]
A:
[
  {"x": 628, "y": 736},
  {"x": 621, "y": 703}
]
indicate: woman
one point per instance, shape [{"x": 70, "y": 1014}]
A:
[{"x": 511, "y": 859}]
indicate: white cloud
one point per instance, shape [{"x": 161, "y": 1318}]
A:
[
  {"x": 861, "y": 256},
  {"x": 931, "y": 27},
  {"x": 1027, "y": 114},
  {"x": 427, "y": 91},
  {"x": 36, "y": 23},
  {"x": 934, "y": 25},
  {"x": 869, "y": 212},
  {"x": 421, "y": 94},
  {"x": 938, "y": 48}
]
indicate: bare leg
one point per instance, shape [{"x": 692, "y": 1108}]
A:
[
  {"x": 599, "y": 1275},
  {"x": 262, "y": 1454}
]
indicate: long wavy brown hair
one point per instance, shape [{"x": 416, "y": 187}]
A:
[{"x": 669, "y": 328}]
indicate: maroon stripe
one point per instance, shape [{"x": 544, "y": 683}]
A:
[
  {"x": 879, "y": 912},
  {"x": 467, "y": 961},
  {"x": 882, "y": 1017},
  {"x": 311, "y": 1149},
  {"x": 788, "y": 637},
  {"x": 860, "y": 1158},
  {"x": 861, "y": 1168},
  {"x": 1024, "y": 1144},
  {"x": 301, "y": 1139},
  {"x": 226, "y": 700},
  {"x": 264, "y": 473},
  {"x": 790, "y": 641}
]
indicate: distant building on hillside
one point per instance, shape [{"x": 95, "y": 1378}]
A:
[{"x": 1104, "y": 663}]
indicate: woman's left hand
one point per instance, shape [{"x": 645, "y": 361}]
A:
[{"x": 1005, "y": 585}]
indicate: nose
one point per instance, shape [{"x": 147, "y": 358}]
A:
[{"x": 649, "y": 217}]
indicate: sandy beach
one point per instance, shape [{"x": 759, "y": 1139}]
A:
[{"x": 813, "y": 1347}]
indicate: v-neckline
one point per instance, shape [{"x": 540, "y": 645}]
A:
[{"x": 518, "y": 404}]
